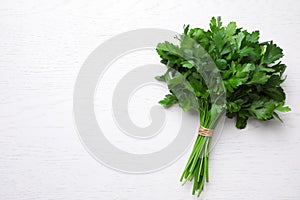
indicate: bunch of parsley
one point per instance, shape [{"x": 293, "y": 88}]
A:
[{"x": 221, "y": 70}]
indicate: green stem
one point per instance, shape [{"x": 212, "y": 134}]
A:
[{"x": 197, "y": 166}]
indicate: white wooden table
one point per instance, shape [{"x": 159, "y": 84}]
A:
[{"x": 42, "y": 47}]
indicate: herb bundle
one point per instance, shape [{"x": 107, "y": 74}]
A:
[{"x": 223, "y": 70}]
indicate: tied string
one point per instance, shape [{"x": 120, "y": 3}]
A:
[{"x": 205, "y": 131}]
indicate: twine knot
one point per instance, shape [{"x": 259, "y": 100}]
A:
[{"x": 205, "y": 131}]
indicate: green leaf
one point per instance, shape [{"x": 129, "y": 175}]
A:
[
  {"x": 215, "y": 24},
  {"x": 243, "y": 71},
  {"x": 259, "y": 77},
  {"x": 169, "y": 100},
  {"x": 160, "y": 78},
  {"x": 262, "y": 109},
  {"x": 234, "y": 106},
  {"x": 246, "y": 51},
  {"x": 186, "y": 29},
  {"x": 199, "y": 89},
  {"x": 188, "y": 64},
  {"x": 241, "y": 121},
  {"x": 274, "y": 81},
  {"x": 282, "y": 108},
  {"x": 239, "y": 39},
  {"x": 276, "y": 93},
  {"x": 219, "y": 40},
  {"x": 273, "y": 53},
  {"x": 169, "y": 48},
  {"x": 253, "y": 37},
  {"x": 279, "y": 68},
  {"x": 232, "y": 83},
  {"x": 231, "y": 29}
]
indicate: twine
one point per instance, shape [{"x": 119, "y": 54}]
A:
[{"x": 205, "y": 131}]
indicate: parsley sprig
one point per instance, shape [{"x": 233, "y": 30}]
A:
[{"x": 249, "y": 76}]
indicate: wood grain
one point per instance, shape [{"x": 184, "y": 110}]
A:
[{"x": 43, "y": 45}]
